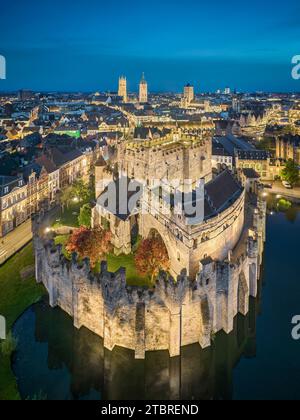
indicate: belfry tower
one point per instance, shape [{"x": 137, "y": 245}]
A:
[
  {"x": 143, "y": 96},
  {"x": 123, "y": 88}
]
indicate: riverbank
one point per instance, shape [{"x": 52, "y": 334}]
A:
[
  {"x": 279, "y": 189},
  {"x": 259, "y": 360},
  {"x": 17, "y": 293}
]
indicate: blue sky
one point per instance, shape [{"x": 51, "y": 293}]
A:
[{"x": 60, "y": 45}]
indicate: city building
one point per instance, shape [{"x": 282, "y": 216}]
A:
[
  {"x": 25, "y": 95},
  {"x": 188, "y": 95},
  {"x": 221, "y": 159},
  {"x": 13, "y": 203},
  {"x": 236, "y": 104},
  {"x": 288, "y": 147},
  {"x": 122, "y": 91},
  {"x": 143, "y": 90},
  {"x": 261, "y": 162},
  {"x": 250, "y": 180},
  {"x": 294, "y": 113}
]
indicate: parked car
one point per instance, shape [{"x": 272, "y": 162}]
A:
[
  {"x": 269, "y": 186},
  {"x": 287, "y": 185}
]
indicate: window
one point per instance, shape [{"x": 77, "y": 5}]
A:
[{"x": 6, "y": 190}]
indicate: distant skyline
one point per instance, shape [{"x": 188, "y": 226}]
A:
[{"x": 63, "y": 46}]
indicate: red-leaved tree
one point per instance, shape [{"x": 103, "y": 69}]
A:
[
  {"x": 152, "y": 257},
  {"x": 94, "y": 244}
]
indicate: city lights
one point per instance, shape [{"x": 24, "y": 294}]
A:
[{"x": 149, "y": 203}]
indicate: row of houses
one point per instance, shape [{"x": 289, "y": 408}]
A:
[
  {"x": 86, "y": 121},
  {"x": 236, "y": 153},
  {"x": 36, "y": 187}
]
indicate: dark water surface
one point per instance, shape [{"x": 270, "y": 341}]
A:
[{"x": 259, "y": 360}]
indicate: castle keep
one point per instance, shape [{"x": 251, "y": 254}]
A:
[{"x": 172, "y": 155}]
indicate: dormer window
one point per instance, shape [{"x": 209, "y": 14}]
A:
[
  {"x": 6, "y": 190},
  {"x": 20, "y": 183}
]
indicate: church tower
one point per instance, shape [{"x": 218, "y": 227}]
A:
[
  {"x": 143, "y": 96},
  {"x": 189, "y": 94},
  {"x": 123, "y": 88}
]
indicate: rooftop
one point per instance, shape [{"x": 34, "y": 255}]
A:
[
  {"x": 253, "y": 154},
  {"x": 251, "y": 173}
]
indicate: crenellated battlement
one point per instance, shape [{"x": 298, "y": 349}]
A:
[{"x": 172, "y": 314}]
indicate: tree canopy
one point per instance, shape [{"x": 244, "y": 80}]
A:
[
  {"x": 290, "y": 173},
  {"x": 85, "y": 216},
  {"x": 94, "y": 244},
  {"x": 152, "y": 257}
]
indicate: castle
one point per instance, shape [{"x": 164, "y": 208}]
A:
[
  {"x": 185, "y": 160},
  {"x": 215, "y": 259}
]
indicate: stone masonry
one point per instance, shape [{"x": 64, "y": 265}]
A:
[{"x": 171, "y": 315}]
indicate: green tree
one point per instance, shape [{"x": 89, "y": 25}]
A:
[
  {"x": 284, "y": 205},
  {"x": 290, "y": 173},
  {"x": 81, "y": 191},
  {"x": 66, "y": 197},
  {"x": 84, "y": 218}
]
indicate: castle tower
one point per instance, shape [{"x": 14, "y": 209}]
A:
[
  {"x": 236, "y": 104},
  {"x": 102, "y": 176},
  {"x": 143, "y": 95},
  {"x": 189, "y": 94},
  {"x": 123, "y": 88}
]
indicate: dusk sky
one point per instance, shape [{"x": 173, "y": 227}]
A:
[{"x": 72, "y": 46}]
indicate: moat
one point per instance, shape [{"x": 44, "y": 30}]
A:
[{"x": 258, "y": 360}]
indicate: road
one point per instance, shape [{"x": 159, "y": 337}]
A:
[
  {"x": 22, "y": 235},
  {"x": 15, "y": 240},
  {"x": 278, "y": 188}
]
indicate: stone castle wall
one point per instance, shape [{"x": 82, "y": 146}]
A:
[
  {"x": 175, "y": 161},
  {"x": 171, "y": 315},
  {"x": 214, "y": 237}
]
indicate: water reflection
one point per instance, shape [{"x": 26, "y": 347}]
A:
[
  {"x": 254, "y": 362},
  {"x": 290, "y": 214},
  {"x": 58, "y": 361}
]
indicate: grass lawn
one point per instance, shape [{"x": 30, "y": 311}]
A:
[
  {"x": 69, "y": 217},
  {"x": 127, "y": 261},
  {"x": 114, "y": 263},
  {"x": 15, "y": 297},
  {"x": 63, "y": 240}
]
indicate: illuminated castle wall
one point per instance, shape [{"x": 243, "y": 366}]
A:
[{"x": 171, "y": 315}]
